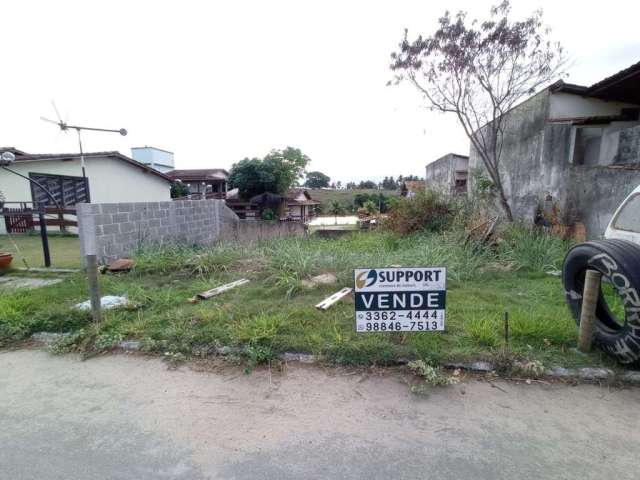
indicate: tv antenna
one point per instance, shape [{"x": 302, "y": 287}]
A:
[{"x": 65, "y": 127}]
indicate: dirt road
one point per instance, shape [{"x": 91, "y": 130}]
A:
[{"x": 120, "y": 417}]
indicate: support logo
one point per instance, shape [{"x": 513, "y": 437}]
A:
[{"x": 366, "y": 279}]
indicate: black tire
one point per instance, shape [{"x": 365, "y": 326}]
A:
[{"x": 619, "y": 263}]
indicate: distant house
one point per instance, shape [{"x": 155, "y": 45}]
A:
[
  {"x": 156, "y": 158},
  {"x": 108, "y": 177},
  {"x": 210, "y": 182},
  {"x": 448, "y": 174},
  {"x": 413, "y": 187},
  {"x": 296, "y": 205},
  {"x": 300, "y": 205},
  {"x": 577, "y": 147}
]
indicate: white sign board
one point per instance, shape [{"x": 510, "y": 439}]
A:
[{"x": 400, "y": 299}]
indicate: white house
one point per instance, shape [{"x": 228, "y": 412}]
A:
[{"x": 108, "y": 177}]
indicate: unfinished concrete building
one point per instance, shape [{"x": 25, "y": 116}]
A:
[
  {"x": 448, "y": 174},
  {"x": 575, "y": 146}
]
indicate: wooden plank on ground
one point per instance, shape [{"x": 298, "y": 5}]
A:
[
  {"x": 336, "y": 297},
  {"x": 218, "y": 290}
]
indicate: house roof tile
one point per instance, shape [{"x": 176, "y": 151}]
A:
[{"x": 29, "y": 157}]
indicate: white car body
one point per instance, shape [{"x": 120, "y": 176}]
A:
[{"x": 625, "y": 223}]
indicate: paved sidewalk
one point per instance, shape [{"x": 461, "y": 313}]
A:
[{"x": 128, "y": 417}]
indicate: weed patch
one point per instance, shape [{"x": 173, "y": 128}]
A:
[{"x": 273, "y": 313}]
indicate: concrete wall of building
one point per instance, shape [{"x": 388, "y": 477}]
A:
[
  {"x": 157, "y": 158},
  {"x": 538, "y": 157},
  {"x": 440, "y": 175},
  {"x": 110, "y": 181},
  {"x": 119, "y": 230},
  {"x": 566, "y": 105}
]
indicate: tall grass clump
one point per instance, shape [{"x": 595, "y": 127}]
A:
[
  {"x": 168, "y": 258},
  {"x": 424, "y": 211},
  {"x": 302, "y": 258},
  {"x": 530, "y": 248}
]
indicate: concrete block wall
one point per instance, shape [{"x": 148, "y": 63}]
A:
[{"x": 116, "y": 230}]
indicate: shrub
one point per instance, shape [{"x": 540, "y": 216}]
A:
[
  {"x": 423, "y": 211},
  {"x": 530, "y": 248}
]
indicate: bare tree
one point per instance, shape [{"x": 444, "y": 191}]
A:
[{"x": 479, "y": 71}]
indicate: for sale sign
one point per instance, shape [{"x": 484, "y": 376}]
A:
[{"x": 400, "y": 299}]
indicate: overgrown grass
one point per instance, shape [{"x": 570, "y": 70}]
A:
[{"x": 274, "y": 313}]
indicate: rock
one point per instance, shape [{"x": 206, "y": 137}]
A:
[
  {"x": 298, "y": 357},
  {"x": 129, "y": 345},
  {"x": 481, "y": 367},
  {"x": 121, "y": 265},
  {"x": 47, "y": 338},
  {"x": 324, "y": 279},
  {"x": 308, "y": 284},
  {"x": 595, "y": 373},
  {"x": 630, "y": 377},
  {"x": 581, "y": 373},
  {"x": 560, "y": 372},
  {"x": 225, "y": 350}
]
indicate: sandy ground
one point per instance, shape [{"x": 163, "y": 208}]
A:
[{"x": 119, "y": 416}]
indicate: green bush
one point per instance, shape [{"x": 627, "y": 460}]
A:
[
  {"x": 530, "y": 248},
  {"x": 423, "y": 211}
]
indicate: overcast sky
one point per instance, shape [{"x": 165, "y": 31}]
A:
[{"x": 215, "y": 82}]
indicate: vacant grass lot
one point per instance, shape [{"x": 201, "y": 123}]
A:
[
  {"x": 65, "y": 250},
  {"x": 274, "y": 313}
]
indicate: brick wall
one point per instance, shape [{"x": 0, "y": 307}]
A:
[
  {"x": 120, "y": 228},
  {"x": 117, "y": 230}
]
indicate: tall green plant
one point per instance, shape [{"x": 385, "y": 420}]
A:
[{"x": 423, "y": 211}]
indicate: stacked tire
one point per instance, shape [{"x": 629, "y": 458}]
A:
[{"x": 619, "y": 263}]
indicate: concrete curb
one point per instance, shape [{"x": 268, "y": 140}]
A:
[{"x": 560, "y": 373}]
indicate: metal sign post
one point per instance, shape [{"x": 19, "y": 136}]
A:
[
  {"x": 400, "y": 299},
  {"x": 44, "y": 235}
]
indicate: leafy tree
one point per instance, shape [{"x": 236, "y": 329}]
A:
[
  {"x": 380, "y": 200},
  {"x": 368, "y": 184},
  {"x": 350, "y": 185},
  {"x": 338, "y": 184},
  {"x": 288, "y": 166},
  {"x": 413, "y": 178},
  {"x": 317, "y": 180},
  {"x": 275, "y": 173},
  {"x": 335, "y": 209},
  {"x": 389, "y": 183},
  {"x": 479, "y": 71},
  {"x": 369, "y": 207},
  {"x": 179, "y": 190}
]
